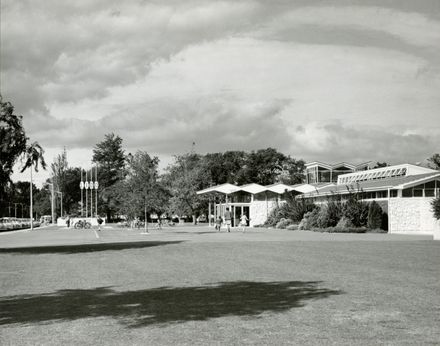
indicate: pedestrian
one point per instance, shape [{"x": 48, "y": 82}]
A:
[
  {"x": 243, "y": 221},
  {"x": 68, "y": 221},
  {"x": 228, "y": 218},
  {"x": 99, "y": 223},
  {"x": 218, "y": 223}
]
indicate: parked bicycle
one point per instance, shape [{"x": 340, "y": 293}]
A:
[{"x": 82, "y": 224}]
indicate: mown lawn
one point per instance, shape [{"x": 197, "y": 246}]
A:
[{"x": 194, "y": 286}]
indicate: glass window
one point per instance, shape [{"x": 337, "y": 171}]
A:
[
  {"x": 429, "y": 192},
  {"x": 418, "y": 192},
  {"x": 407, "y": 192},
  {"x": 393, "y": 193},
  {"x": 382, "y": 194},
  {"x": 430, "y": 185}
]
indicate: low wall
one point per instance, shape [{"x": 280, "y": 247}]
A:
[
  {"x": 411, "y": 215},
  {"x": 92, "y": 220}
]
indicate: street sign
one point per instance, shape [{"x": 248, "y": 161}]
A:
[{"x": 81, "y": 185}]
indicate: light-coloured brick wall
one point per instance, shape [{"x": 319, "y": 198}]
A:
[
  {"x": 260, "y": 210},
  {"x": 411, "y": 215}
]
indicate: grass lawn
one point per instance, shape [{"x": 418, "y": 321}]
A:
[{"x": 197, "y": 287}]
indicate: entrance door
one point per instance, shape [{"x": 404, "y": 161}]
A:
[
  {"x": 246, "y": 212},
  {"x": 239, "y": 210}
]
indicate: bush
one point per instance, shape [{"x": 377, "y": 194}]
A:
[
  {"x": 296, "y": 208},
  {"x": 341, "y": 230},
  {"x": 356, "y": 211},
  {"x": 374, "y": 216},
  {"x": 310, "y": 220},
  {"x": 292, "y": 227},
  {"x": 344, "y": 223},
  {"x": 283, "y": 223},
  {"x": 330, "y": 214},
  {"x": 293, "y": 209},
  {"x": 275, "y": 216},
  {"x": 436, "y": 207}
]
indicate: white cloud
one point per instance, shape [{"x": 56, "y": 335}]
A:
[{"x": 227, "y": 75}]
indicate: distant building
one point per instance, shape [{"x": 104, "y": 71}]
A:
[
  {"x": 320, "y": 172},
  {"x": 404, "y": 191}
]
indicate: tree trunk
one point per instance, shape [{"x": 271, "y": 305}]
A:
[{"x": 194, "y": 220}]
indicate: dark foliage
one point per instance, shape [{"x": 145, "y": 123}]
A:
[
  {"x": 374, "y": 216},
  {"x": 436, "y": 207},
  {"x": 356, "y": 211}
]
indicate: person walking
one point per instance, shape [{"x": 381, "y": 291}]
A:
[
  {"x": 99, "y": 223},
  {"x": 243, "y": 222},
  {"x": 218, "y": 223},
  {"x": 68, "y": 221},
  {"x": 228, "y": 219}
]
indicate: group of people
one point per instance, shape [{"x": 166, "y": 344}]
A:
[{"x": 227, "y": 220}]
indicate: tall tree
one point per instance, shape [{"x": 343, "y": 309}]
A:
[
  {"x": 185, "y": 177},
  {"x": 263, "y": 166},
  {"x": 140, "y": 193},
  {"x": 110, "y": 158},
  {"x": 381, "y": 164},
  {"x": 434, "y": 161},
  {"x": 33, "y": 157},
  {"x": 292, "y": 171},
  {"x": 12, "y": 142}
]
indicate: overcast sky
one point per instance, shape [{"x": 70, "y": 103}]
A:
[{"x": 318, "y": 80}]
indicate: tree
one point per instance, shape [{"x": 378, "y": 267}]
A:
[
  {"x": 12, "y": 141},
  {"x": 140, "y": 193},
  {"x": 381, "y": 164},
  {"x": 110, "y": 158},
  {"x": 33, "y": 157},
  {"x": 434, "y": 161},
  {"x": 263, "y": 167},
  {"x": 185, "y": 177},
  {"x": 292, "y": 171}
]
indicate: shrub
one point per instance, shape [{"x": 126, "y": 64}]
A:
[
  {"x": 310, "y": 219},
  {"x": 356, "y": 211},
  {"x": 341, "y": 230},
  {"x": 283, "y": 223},
  {"x": 296, "y": 208},
  {"x": 344, "y": 223},
  {"x": 292, "y": 227},
  {"x": 374, "y": 215},
  {"x": 330, "y": 214},
  {"x": 275, "y": 216},
  {"x": 436, "y": 207},
  {"x": 293, "y": 209}
]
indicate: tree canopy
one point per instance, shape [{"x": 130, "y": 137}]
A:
[
  {"x": 12, "y": 141},
  {"x": 434, "y": 161}
]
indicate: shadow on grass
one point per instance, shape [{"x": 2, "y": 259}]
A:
[
  {"x": 80, "y": 248},
  {"x": 162, "y": 305}
]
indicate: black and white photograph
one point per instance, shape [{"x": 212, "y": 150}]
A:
[{"x": 220, "y": 172}]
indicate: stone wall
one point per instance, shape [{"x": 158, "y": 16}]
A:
[
  {"x": 260, "y": 210},
  {"x": 411, "y": 215}
]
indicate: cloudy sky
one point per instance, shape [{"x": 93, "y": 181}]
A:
[{"x": 318, "y": 80}]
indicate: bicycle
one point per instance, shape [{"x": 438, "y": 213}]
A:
[{"x": 82, "y": 224}]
